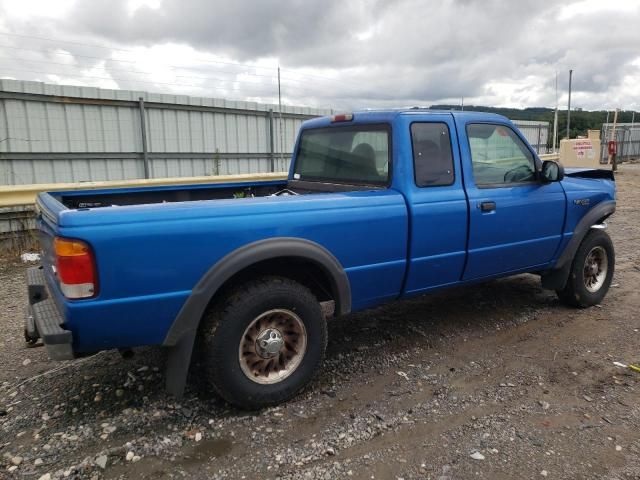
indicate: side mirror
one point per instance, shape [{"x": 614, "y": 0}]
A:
[{"x": 552, "y": 171}]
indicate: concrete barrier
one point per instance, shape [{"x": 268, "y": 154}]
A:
[
  {"x": 550, "y": 156},
  {"x": 13, "y": 195},
  {"x": 17, "y": 202},
  {"x": 580, "y": 152}
]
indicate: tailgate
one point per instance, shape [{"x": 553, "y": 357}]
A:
[{"x": 48, "y": 211}]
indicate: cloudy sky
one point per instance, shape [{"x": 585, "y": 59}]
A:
[{"x": 334, "y": 53}]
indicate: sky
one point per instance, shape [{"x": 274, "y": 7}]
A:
[{"x": 334, "y": 53}]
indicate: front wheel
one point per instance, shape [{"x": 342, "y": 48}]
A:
[
  {"x": 591, "y": 271},
  {"x": 263, "y": 342}
]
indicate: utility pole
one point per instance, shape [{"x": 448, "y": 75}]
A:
[
  {"x": 280, "y": 115},
  {"x": 569, "y": 106},
  {"x": 462, "y": 104},
  {"x": 555, "y": 118},
  {"x": 612, "y": 138},
  {"x": 143, "y": 133},
  {"x": 631, "y": 132}
]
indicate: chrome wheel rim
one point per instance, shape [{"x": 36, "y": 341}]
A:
[
  {"x": 596, "y": 265},
  {"x": 272, "y": 346}
]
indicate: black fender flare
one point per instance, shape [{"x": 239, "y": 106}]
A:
[
  {"x": 191, "y": 312},
  {"x": 182, "y": 333},
  {"x": 556, "y": 278}
]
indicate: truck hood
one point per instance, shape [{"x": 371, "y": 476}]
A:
[
  {"x": 596, "y": 184},
  {"x": 589, "y": 173}
]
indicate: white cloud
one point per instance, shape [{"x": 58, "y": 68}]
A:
[
  {"x": 362, "y": 53},
  {"x": 134, "y": 5},
  {"x": 24, "y": 9},
  {"x": 594, "y": 7}
]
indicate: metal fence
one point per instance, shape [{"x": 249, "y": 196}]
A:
[
  {"x": 55, "y": 133},
  {"x": 536, "y": 133},
  {"x": 627, "y": 137},
  {"x": 58, "y": 133}
]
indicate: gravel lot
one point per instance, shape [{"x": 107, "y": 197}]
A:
[{"x": 492, "y": 381}]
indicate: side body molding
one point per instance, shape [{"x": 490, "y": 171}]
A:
[
  {"x": 182, "y": 334},
  {"x": 556, "y": 278}
]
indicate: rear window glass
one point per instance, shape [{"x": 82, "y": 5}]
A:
[{"x": 353, "y": 154}]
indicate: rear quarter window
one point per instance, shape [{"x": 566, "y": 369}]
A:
[{"x": 432, "y": 156}]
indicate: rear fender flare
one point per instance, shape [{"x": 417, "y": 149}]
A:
[
  {"x": 191, "y": 312},
  {"x": 181, "y": 336}
]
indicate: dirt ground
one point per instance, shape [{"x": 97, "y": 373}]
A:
[{"x": 493, "y": 381}]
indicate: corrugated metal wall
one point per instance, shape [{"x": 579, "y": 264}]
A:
[
  {"x": 627, "y": 137},
  {"x": 536, "y": 133},
  {"x": 56, "y": 133},
  {"x": 59, "y": 133}
]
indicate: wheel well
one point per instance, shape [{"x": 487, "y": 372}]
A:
[
  {"x": 602, "y": 219},
  {"x": 301, "y": 270}
]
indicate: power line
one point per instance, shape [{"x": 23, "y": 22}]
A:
[
  {"x": 202, "y": 87},
  {"x": 69, "y": 54},
  {"x": 178, "y": 69},
  {"x": 125, "y": 50},
  {"x": 110, "y": 70},
  {"x": 244, "y": 65},
  {"x": 134, "y": 62},
  {"x": 198, "y": 77}
]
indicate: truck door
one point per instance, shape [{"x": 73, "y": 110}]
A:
[
  {"x": 436, "y": 201},
  {"x": 515, "y": 220}
]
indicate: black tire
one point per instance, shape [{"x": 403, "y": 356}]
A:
[
  {"x": 575, "y": 292},
  {"x": 30, "y": 339},
  {"x": 225, "y": 325}
]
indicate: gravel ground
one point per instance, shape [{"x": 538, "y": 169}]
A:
[{"x": 491, "y": 381}]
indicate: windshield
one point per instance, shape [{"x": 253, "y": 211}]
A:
[{"x": 351, "y": 154}]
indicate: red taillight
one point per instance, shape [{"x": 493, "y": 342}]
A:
[
  {"x": 75, "y": 267},
  {"x": 343, "y": 117}
]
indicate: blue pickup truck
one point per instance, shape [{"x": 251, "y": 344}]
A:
[{"x": 378, "y": 206}]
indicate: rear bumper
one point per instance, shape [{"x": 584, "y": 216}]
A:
[{"x": 44, "y": 320}]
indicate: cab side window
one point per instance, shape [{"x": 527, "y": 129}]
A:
[
  {"x": 498, "y": 155},
  {"x": 432, "y": 157}
]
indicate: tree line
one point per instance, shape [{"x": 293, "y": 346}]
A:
[{"x": 581, "y": 120}]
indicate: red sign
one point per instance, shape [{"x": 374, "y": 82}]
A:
[{"x": 583, "y": 148}]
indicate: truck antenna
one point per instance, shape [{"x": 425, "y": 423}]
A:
[{"x": 555, "y": 118}]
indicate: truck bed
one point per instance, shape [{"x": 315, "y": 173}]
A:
[
  {"x": 145, "y": 195},
  {"x": 164, "y": 194}
]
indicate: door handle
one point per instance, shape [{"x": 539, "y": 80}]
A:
[{"x": 487, "y": 206}]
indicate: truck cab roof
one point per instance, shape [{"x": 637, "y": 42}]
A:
[{"x": 388, "y": 115}]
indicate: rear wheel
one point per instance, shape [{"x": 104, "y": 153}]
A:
[
  {"x": 591, "y": 271},
  {"x": 30, "y": 339},
  {"x": 263, "y": 342}
]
